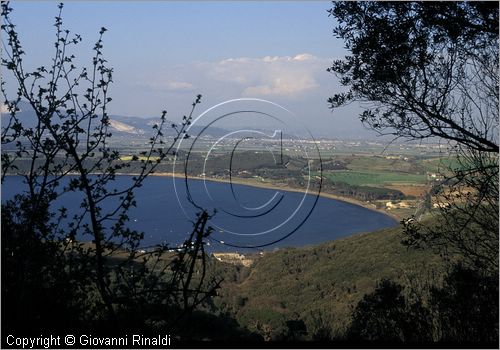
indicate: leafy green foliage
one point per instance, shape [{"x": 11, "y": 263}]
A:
[
  {"x": 363, "y": 289},
  {"x": 467, "y": 306},
  {"x": 375, "y": 178},
  {"x": 463, "y": 310},
  {"x": 322, "y": 284},
  {"x": 386, "y": 315}
]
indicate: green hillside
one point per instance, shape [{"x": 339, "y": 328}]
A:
[
  {"x": 319, "y": 285},
  {"x": 374, "y": 178}
]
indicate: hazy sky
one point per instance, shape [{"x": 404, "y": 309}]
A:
[{"x": 164, "y": 53}]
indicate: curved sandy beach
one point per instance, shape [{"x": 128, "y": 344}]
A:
[{"x": 283, "y": 187}]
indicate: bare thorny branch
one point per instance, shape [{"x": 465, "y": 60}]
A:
[{"x": 71, "y": 137}]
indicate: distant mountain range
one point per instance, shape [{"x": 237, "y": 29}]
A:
[
  {"x": 132, "y": 127},
  {"x": 119, "y": 125},
  {"x": 124, "y": 125}
]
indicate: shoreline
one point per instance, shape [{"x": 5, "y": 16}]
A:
[
  {"x": 268, "y": 185},
  {"x": 272, "y": 186}
]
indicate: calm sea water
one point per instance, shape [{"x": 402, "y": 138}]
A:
[{"x": 245, "y": 216}]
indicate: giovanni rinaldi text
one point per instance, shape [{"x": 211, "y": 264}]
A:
[{"x": 87, "y": 340}]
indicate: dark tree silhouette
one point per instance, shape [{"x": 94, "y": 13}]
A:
[
  {"x": 423, "y": 69},
  {"x": 50, "y": 279},
  {"x": 385, "y": 315},
  {"x": 467, "y": 307},
  {"x": 465, "y": 224},
  {"x": 464, "y": 310},
  {"x": 430, "y": 70}
]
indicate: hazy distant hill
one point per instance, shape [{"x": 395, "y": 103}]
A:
[
  {"x": 143, "y": 126},
  {"x": 119, "y": 125}
]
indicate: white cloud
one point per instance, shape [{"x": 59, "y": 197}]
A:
[
  {"x": 4, "y": 108},
  {"x": 169, "y": 85},
  {"x": 269, "y": 75},
  {"x": 277, "y": 76},
  {"x": 304, "y": 57},
  {"x": 180, "y": 85},
  {"x": 282, "y": 86}
]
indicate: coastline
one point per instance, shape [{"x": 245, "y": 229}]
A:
[{"x": 267, "y": 185}]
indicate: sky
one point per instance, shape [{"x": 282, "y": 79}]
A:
[{"x": 164, "y": 53}]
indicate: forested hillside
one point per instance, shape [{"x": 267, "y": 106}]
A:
[{"x": 320, "y": 285}]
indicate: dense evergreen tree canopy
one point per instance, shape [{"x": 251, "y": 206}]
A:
[{"x": 422, "y": 68}]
